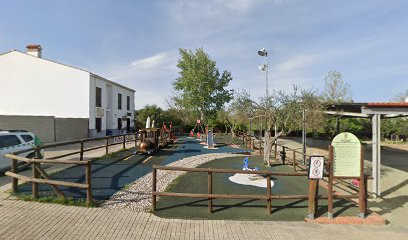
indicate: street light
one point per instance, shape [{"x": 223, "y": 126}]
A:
[{"x": 264, "y": 67}]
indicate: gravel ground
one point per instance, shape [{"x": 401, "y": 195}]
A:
[{"x": 137, "y": 195}]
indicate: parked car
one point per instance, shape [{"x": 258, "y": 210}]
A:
[{"x": 17, "y": 140}]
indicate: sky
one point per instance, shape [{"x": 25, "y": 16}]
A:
[{"x": 136, "y": 43}]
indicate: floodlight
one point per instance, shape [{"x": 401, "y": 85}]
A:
[
  {"x": 263, "y": 52},
  {"x": 263, "y": 67}
]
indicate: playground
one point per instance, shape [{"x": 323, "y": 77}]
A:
[
  {"x": 282, "y": 209},
  {"x": 124, "y": 180},
  {"x": 116, "y": 171}
]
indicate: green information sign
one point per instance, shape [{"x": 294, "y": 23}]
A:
[{"x": 346, "y": 155}]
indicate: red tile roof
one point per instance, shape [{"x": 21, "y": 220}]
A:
[
  {"x": 33, "y": 46},
  {"x": 388, "y": 104}
]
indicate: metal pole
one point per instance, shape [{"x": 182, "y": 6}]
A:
[
  {"x": 304, "y": 136},
  {"x": 376, "y": 152},
  {"x": 267, "y": 69}
]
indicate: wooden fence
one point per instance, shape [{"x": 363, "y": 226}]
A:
[
  {"x": 38, "y": 172},
  {"x": 39, "y": 175},
  {"x": 115, "y": 140},
  {"x": 312, "y": 196},
  {"x": 291, "y": 159}
]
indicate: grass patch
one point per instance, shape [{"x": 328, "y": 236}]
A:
[
  {"x": 174, "y": 183},
  {"x": 56, "y": 200}
]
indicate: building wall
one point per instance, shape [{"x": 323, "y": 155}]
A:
[
  {"x": 47, "y": 128},
  {"x": 71, "y": 128},
  {"x": 109, "y": 105},
  {"x": 42, "y": 126},
  {"x": 37, "y": 87}
]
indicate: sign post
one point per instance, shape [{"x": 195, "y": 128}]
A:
[
  {"x": 346, "y": 161},
  {"x": 316, "y": 166}
]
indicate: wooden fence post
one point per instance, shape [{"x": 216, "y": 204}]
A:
[
  {"x": 313, "y": 198},
  {"x": 14, "y": 181},
  {"x": 284, "y": 155},
  {"x": 124, "y": 141},
  {"x": 330, "y": 193},
  {"x": 260, "y": 147},
  {"x": 253, "y": 144},
  {"x": 37, "y": 152},
  {"x": 154, "y": 173},
  {"x": 88, "y": 182},
  {"x": 268, "y": 193},
  {"x": 34, "y": 184},
  {"x": 243, "y": 139},
  {"x": 81, "y": 154},
  {"x": 107, "y": 146},
  {"x": 294, "y": 160},
  {"x": 209, "y": 192}
]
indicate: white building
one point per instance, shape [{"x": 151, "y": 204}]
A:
[{"x": 33, "y": 86}]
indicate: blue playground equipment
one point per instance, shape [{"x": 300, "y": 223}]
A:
[{"x": 246, "y": 166}]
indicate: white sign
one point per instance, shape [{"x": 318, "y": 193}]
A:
[
  {"x": 316, "y": 166},
  {"x": 347, "y": 155},
  {"x": 100, "y": 112}
]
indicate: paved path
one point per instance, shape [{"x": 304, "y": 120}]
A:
[{"x": 30, "y": 220}]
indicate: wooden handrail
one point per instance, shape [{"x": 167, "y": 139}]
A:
[
  {"x": 37, "y": 171},
  {"x": 50, "y": 145},
  {"x": 221, "y": 170},
  {"x": 46, "y": 181},
  {"x": 52, "y": 161},
  {"x": 210, "y": 195}
]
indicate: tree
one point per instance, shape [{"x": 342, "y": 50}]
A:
[
  {"x": 200, "y": 88},
  {"x": 159, "y": 116},
  {"x": 241, "y": 109},
  {"x": 152, "y": 111},
  {"x": 335, "y": 89},
  {"x": 285, "y": 111},
  {"x": 400, "y": 97}
]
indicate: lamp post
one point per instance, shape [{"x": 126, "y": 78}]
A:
[
  {"x": 304, "y": 134},
  {"x": 264, "y": 67}
]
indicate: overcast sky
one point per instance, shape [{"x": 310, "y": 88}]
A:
[{"x": 136, "y": 43}]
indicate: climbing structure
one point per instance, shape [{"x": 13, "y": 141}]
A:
[{"x": 200, "y": 129}]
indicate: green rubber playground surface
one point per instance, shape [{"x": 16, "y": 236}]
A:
[{"x": 282, "y": 210}]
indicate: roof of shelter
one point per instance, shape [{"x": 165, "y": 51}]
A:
[{"x": 366, "y": 110}]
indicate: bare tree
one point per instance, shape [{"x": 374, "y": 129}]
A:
[
  {"x": 336, "y": 90},
  {"x": 285, "y": 111},
  {"x": 400, "y": 97}
]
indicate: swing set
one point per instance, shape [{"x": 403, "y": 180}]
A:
[{"x": 168, "y": 134}]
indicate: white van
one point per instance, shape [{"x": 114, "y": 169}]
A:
[{"x": 16, "y": 140}]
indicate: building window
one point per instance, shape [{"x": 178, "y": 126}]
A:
[
  {"x": 27, "y": 138},
  {"x": 120, "y": 123},
  {"x": 128, "y": 103},
  {"x": 8, "y": 141},
  {"x": 119, "y": 101},
  {"x": 98, "y": 97},
  {"x": 98, "y": 124},
  {"x": 128, "y": 125}
]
